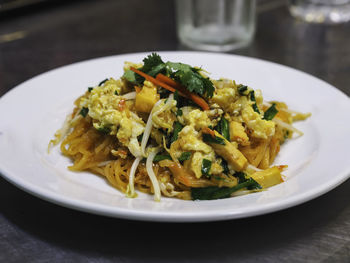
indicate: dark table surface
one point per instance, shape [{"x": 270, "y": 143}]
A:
[{"x": 42, "y": 37}]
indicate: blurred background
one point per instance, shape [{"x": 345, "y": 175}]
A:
[{"x": 38, "y": 35}]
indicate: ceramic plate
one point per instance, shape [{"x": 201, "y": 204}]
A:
[{"x": 32, "y": 112}]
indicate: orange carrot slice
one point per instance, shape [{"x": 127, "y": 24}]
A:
[{"x": 197, "y": 99}]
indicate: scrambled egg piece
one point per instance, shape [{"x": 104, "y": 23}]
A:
[
  {"x": 260, "y": 128},
  {"x": 190, "y": 141},
  {"x": 195, "y": 117},
  {"x": 109, "y": 110},
  {"x": 243, "y": 112},
  {"x": 225, "y": 94}
]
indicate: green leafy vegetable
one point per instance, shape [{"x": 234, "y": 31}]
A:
[
  {"x": 286, "y": 135},
  {"x": 84, "y": 111},
  {"x": 208, "y": 138},
  {"x": 271, "y": 112},
  {"x": 186, "y": 75},
  {"x": 177, "y": 128},
  {"x": 102, "y": 82},
  {"x": 192, "y": 79},
  {"x": 161, "y": 157},
  {"x": 241, "y": 177},
  {"x": 223, "y": 128},
  {"x": 104, "y": 130},
  {"x": 182, "y": 101},
  {"x": 242, "y": 89},
  {"x": 185, "y": 156},
  {"x": 153, "y": 64},
  {"x": 255, "y": 108},
  {"x": 252, "y": 95},
  {"x": 214, "y": 192},
  {"x": 179, "y": 112},
  {"x": 206, "y": 166},
  {"x": 224, "y": 166},
  {"x": 252, "y": 98},
  {"x": 130, "y": 76}
]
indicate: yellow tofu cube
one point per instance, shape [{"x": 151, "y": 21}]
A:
[
  {"x": 269, "y": 177},
  {"x": 146, "y": 98}
]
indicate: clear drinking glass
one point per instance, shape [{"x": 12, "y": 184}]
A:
[
  {"x": 215, "y": 25},
  {"x": 321, "y": 11}
]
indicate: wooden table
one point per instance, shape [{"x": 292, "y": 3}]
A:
[{"x": 46, "y": 36}]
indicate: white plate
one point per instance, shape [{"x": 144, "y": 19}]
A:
[{"x": 32, "y": 112}]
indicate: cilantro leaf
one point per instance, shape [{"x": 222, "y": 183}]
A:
[
  {"x": 186, "y": 75},
  {"x": 130, "y": 76},
  {"x": 151, "y": 62}
]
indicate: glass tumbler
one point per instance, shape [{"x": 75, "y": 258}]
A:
[
  {"x": 215, "y": 25},
  {"x": 321, "y": 11}
]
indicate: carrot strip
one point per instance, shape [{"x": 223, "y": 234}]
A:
[
  {"x": 182, "y": 90},
  {"x": 161, "y": 77},
  {"x": 153, "y": 80},
  {"x": 197, "y": 99}
]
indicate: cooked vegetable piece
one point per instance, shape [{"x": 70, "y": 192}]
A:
[
  {"x": 242, "y": 89},
  {"x": 210, "y": 137},
  {"x": 177, "y": 128},
  {"x": 227, "y": 151},
  {"x": 269, "y": 177},
  {"x": 153, "y": 80},
  {"x": 197, "y": 99},
  {"x": 223, "y": 128},
  {"x": 104, "y": 130},
  {"x": 224, "y": 166},
  {"x": 271, "y": 112},
  {"x": 215, "y": 192},
  {"x": 185, "y": 156},
  {"x": 252, "y": 98},
  {"x": 161, "y": 157},
  {"x": 186, "y": 177},
  {"x": 238, "y": 134},
  {"x": 102, "y": 82},
  {"x": 206, "y": 166},
  {"x": 84, "y": 111},
  {"x": 179, "y": 112}
]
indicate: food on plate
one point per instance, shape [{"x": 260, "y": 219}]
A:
[{"x": 166, "y": 128}]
